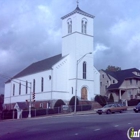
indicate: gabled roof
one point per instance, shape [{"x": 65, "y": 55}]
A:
[
  {"x": 78, "y": 10},
  {"x": 39, "y": 66},
  {"x": 121, "y": 75}
]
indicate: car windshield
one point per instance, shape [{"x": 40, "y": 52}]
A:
[{"x": 109, "y": 105}]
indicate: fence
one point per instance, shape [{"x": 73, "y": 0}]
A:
[
  {"x": 12, "y": 114},
  {"x": 8, "y": 114}
]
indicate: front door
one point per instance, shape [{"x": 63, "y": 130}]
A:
[{"x": 84, "y": 93}]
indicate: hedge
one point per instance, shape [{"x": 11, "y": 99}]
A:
[{"x": 133, "y": 102}]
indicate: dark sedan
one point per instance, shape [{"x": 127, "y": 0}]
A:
[{"x": 137, "y": 108}]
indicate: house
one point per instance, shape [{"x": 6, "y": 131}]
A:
[
  {"x": 123, "y": 84},
  {"x": 63, "y": 76}
]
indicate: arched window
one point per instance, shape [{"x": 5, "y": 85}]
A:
[
  {"x": 13, "y": 89},
  {"x": 69, "y": 25},
  {"x": 34, "y": 86},
  {"x": 84, "y": 93},
  {"x": 84, "y": 70},
  {"x": 72, "y": 90},
  {"x": 42, "y": 84},
  {"x": 84, "y": 26},
  {"x": 26, "y": 87},
  {"x": 19, "y": 88}
]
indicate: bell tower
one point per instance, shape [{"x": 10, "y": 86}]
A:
[
  {"x": 77, "y": 46},
  {"x": 77, "y": 33}
]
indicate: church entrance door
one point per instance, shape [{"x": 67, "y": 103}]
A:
[{"x": 84, "y": 93}]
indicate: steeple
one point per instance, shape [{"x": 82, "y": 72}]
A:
[
  {"x": 77, "y": 3},
  {"x": 78, "y": 10},
  {"x": 77, "y": 33}
]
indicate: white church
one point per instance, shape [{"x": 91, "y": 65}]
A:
[{"x": 71, "y": 73}]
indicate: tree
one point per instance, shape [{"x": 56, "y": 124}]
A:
[
  {"x": 113, "y": 68},
  {"x": 111, "y": 98},
  {"x": 101, "y": 99},
  {"x": 1, "y": 101}
]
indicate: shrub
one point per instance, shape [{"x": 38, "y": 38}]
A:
[
  {"x": 133, "y": 102},
  {"x": 25, "y": 114},
  {"x": 40, "y": 112},
  {"x": 72, "y": 101},
  {"x": 50, "y": 111},
  {"x": 59, "y": 103},
  {"x": 7, "y": 114},
  {"x": 101, "y": 99}
]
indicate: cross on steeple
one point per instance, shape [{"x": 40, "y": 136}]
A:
[{"x": 77, "y": 3}]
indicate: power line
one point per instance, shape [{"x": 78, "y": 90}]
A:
[{"x": 4, "y": 76}]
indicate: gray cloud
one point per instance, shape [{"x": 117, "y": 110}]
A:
[{"x": 31, "y": 31}]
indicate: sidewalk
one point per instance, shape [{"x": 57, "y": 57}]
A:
[
  {"x": 86, "y": 112},
  {"x": 79, "y": 113},
  {"x": 67, "y": 114}
]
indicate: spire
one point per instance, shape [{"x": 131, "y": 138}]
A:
[
  {"x": 77, "y": 3},
  {"x": 78, "y": 10}
]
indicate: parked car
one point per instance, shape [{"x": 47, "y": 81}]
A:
[
  {"x": 111, "y": 108},
  {"x": 137, "y": 108}
]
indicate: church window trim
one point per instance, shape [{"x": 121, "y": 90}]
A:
[
  {"x": 72, "y": 90},
  {"x": 69, "y": 22},
  {"x": 84, "y": 26},
  {"x": 130, "y": 81},
  {"x": 26, "y": 87},
  {"x": 84, "y": 69},
  {"x": 42, "y": 84},
  {"x": 33, "y": 85},
  {"x": 50, "y": 77},
  {"x": 19, "y": 88},
  {"x": 100, "y": 83},
  {"x": 13, "y": 89}
]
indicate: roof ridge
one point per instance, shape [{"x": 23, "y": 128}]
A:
[
  {"x": 39, "y": 66},
  {"x": 78, "y": 10},
  {"x": 47, "y": 58}
]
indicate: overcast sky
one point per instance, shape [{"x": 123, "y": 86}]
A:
[{"x": 30, "y": 30}]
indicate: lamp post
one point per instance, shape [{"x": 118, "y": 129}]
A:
[
  {"x": 77, "y": 62},
  {"x": 29, "y": 115}
]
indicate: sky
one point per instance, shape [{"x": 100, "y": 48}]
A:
[{"x": 30, "y": 30}]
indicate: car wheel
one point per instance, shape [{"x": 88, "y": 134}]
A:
[
  {"x": 108, "y": 112},
  {"x": 99, "y": 113},
  {"x": 136, "y": 111},
  {"x": 120, "y": 111}
]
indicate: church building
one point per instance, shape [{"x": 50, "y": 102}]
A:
[{"x": 71, "y": 73}]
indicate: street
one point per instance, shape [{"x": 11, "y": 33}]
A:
[{"x": 70, "y": 127}]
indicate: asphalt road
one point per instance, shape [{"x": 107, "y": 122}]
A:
[{"x": 79, "y": 127}]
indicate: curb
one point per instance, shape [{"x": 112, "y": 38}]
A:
[{"x": 56, "y": 115}]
